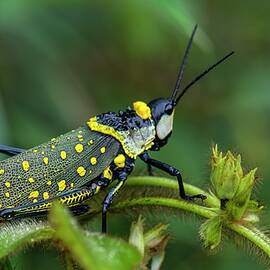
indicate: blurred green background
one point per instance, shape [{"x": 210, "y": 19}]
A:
[{"x": 64, "y": 61}]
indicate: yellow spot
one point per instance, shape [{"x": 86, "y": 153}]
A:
[
  {"x": 80, "y": 131},
  {"x": 42, "y": 152},
  {"x": 107, "y": 173},
  {"x": 35, "y": 151},
  {"x": 53, "y": 146},
  {"x": 7, "y": 194},
  {"x": 81, "y": 171},
  {"x": 2, "y": 171},
  {"x": 93, "y": 160},
  {"x": 1, "y": 205},
  {"x": 53, "y": 139},
  {"x": 61, "y": 185},
  {"x": 7, "y": 184},
  {"x": 80, "y": 136},
  {"x": 142, "y": 109},
  {"x": 97, "y": 189},
  {"x": 31, "y": 180},
  {"x": 119, "y": 161},
  {"x": 45, "y": 195},
  {"x": 49, "y": 182},
  {"x": 34, "y": 194},
  {"x": 72, "y": 185},
  {"x": 63, "y": 154},
  {"x": 90, "y": 142},
  {"x": 25, "y": 165},
  {"x": 81, "y": 139},
  {"x": 79, "y": 148},
  {"x": 35, "y": 200},
  {"x": 102, "y": 150},
  {"x": 46, "y": 160}
]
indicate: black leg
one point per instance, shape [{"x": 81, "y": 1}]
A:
[
  {"x": 109, "y": 198},
  {"x": 173, "y": 172},
  {"x": 150, "y": 169},
  {"x": 9, "y": 150}
]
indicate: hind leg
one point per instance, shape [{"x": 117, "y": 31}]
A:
[{"x": 9, "y": 150}]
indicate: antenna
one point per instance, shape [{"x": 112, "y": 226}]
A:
[
  {"x": 202, "y": 75},
  {"x": 183, "y": 64}
]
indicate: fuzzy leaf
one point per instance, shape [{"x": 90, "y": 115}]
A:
[
  {"x": 92, "y": 251},
  {"x": 17, "y": 234},
  {"x": 210, "y": 232}
]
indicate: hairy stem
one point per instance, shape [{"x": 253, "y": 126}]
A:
[
  {"x": 249, "y": 232},
  {"x": 163, "y": 182}
]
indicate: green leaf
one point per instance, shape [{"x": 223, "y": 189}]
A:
[
  {"x": 92, "y": 251},
  {"x": 16, "y": 235}
]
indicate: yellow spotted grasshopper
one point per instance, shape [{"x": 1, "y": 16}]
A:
[{"x": 73, "y": 167}]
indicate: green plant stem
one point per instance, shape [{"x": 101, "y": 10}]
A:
[
  {"x": 163, "y": 182},
  {"x": 250, "y": 233},
  {"x": 254, "y": 235}
]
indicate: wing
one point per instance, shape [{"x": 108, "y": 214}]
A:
[{"x": 65, "y": 163}]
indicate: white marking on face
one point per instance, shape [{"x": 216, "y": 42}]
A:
[{"x": 164, "y": 126}]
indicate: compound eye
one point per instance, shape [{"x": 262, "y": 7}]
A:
[{"x": 169, "y": 109}]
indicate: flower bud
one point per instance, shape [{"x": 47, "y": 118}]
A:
[
  {"x": 230, "y": 184},
  {"x": 226, "y": 174}
]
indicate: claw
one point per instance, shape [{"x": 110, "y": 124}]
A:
[{"x": 192, "y": 198}]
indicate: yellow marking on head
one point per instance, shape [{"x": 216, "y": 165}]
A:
[
  {"x": 7, "y": 194},
  {"x": 90, "y": 142},
  {"x": 35, "y": 200},
  {"x": 49, "y": 182},
  {"x": 46, "y": 160},
  {"x": 120, "y": 161},
  {"x": 35, "y": 150},
  {"x": 79, "y": 148},
  {"x": 61, "y": 185},
  {"x": 42, "y": 152},
  {"x": 33, "y": 195},
  {"x": 2, "y": 171},
  {"x": 142, "y": 109},
  {"x": 102, "y": 150},
  {"x": 72, "y": 185},
  {"x": 31, "y": 180},
  {"x": 53, "y": 146},
  {"x": 7, "y": 184},
  {"x": 81, "y": 171},
  {"x": 63, "y": 155},
  {"x": 107, "y": 173},
  {"x": 45, "y": 195},
  {"x": 93, "y": 160},
  {"x": 25, "y": 165}
]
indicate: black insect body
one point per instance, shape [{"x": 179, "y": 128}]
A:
[{"x": 75, "y": 166}]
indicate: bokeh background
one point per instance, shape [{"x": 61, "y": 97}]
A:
[{"x": 64, "y": 61}]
